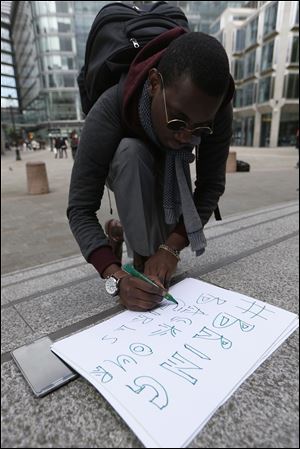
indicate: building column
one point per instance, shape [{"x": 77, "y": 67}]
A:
[
  {"x": 275, "y": 127},
  {"x": 257, "y": 129}
]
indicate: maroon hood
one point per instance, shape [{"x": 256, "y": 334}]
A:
[{"x": 145, "y": 60}]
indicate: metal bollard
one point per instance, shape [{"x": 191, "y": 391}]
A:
[{"x": 37, "y": 180}]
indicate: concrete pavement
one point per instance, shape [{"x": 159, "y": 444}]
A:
[
  {"x": 35, "y": 228},
  {"x": 48, "y": 289},
  {"x": 254, "y": 253}
]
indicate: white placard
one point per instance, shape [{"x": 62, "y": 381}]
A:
[{"x": 166, "y": 371}]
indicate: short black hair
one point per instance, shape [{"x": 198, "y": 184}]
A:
[{"x": 200, "y": 56}]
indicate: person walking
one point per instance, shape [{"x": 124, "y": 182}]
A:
[
  {"x": 57, "y": 147},
  {"x": 64, "y": 146},
  {"x": 74, "y": 143}
]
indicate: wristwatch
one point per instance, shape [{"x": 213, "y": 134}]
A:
[{"x": 112, "y": 283}]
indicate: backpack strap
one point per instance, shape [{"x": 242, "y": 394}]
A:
[{"x": 217, "y": 214}]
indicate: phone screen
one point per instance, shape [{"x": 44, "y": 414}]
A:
[{"x": 43, "y": 370}]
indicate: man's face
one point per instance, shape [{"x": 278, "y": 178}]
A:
[{"x": 183, "y": 101}]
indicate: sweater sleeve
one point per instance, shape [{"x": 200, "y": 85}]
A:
[{"x": 99, "y": 140}]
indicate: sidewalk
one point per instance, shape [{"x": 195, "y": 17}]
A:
[
  {"x": 254, "y": 253},
  {"x": 35, "y": 229},
  {"x": 49, "y": 289}
]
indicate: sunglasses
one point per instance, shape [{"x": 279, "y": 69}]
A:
[{"x": 177, "y": 125}]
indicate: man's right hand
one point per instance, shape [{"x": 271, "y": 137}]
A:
[{"x": 138, "y": 295}]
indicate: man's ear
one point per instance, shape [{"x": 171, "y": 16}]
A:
[{"x": 154, "y": 81}]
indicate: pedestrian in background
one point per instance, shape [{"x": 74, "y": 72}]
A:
[
  {"x": 57, "y": 147},
  {"x": 64, "y": 146},
  {"x": 74, "y": 143}
]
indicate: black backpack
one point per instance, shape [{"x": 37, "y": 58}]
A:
[{"x": 118, "y": 33}]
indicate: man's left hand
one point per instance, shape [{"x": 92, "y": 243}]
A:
[{"x": 162, "y": 264}]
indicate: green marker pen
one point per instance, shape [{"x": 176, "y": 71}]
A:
[{"x": 131, "y": 270}]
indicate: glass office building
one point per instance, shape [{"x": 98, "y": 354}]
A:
[
  {"x": 264, "y": 52},
  {"x": 49, "y": 39}
]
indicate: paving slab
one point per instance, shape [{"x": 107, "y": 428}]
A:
[{"x": 254, "y": 253}]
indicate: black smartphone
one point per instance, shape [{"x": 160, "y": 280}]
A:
[{"x": 43, "y": 370}]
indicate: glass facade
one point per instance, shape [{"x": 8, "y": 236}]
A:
[
  {"x": 85, "y": 13},
  {"x": 291, "y": 86},
  {"x": 250, "y": 59},
  {"x": 249, "y": 94},
  {"x": 26, "y": 55},
  {"x": 243, "y": 131},
  {"x": 289, "y": 123},
  {"x": 251, "y": 33},
  {"x": 9, "y": 93},
  {"x": 270, "y": 19},
  {"x": 294, "y": 58},
  {"x": 57, "y": 52},
  {"x": 265, "y": 89},
  {"x": 239, "y": 41},
  {"x": 267, "y": 56},
  {"x": 245, "y": 95},
  {"x": 239, "y": 69},
  {"x": 50, "y": 39}
]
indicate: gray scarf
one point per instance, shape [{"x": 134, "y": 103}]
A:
[{"x": 177, "y": 197}]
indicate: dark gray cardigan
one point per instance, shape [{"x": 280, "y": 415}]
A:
[{"x": 99, "y": 140}]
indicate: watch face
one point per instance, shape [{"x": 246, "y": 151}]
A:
[{"x": 111, "y": 286}]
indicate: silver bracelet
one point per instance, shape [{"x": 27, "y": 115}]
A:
[{"x": 173, "y": 251}]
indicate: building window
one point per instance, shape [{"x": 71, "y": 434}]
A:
[
  {"x": 5, "y": 46},
  {"x": 7, "y": 91},
  {"x": 295, "y": 50},
  {"x": 57, "y": 62},
  {"x": 5, "y": 33},
  {"x": 8, "y": 81},
  {"x": 238, "y": 69},
  {"x": 265, "y": 90},
  {"x": 7, "y": 69},
  {"x": 291, "y": 85},
  {"x": 249, "y": 64},
  {"x": 251, "y": 33},
  {"x": 270, "y": 19},
  {"x": 249, "y": 94},
  {"x": 289, "y": 123},
  {"x": 47, "y": 25},
  {"x": 65, "y": 44},
  {"x": 215, "y": 27},
  {"x": 267, "y": 56},
  {"x": 243, "y": 131},
  {"x": 63, "y": 7},
  {"x": 239, "y": 43},
  {"x": 57, "y": 43},
  {"x": 295, "y": 14},
  {"x": 59, "y": 80},
  {"x": 6, "y": 58},
  {"x": 238, "y": 98}
]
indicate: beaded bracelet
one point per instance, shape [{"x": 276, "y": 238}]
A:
[{"x": 173, "y": 251}]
